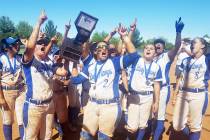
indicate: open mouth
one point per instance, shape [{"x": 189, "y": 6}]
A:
[
  {"x": 42, "y": 49},
  {"x": 157, "y": 48},
  {"x": 103, "y": 53}
]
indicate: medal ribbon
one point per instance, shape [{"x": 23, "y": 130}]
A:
[
  {"x": 147, "y": 71},
  {"x": 12, "y": 70}
]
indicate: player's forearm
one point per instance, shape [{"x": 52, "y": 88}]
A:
[
  {"x": 85, "y": 50},
  {"x": 156, "y": 92},
  {"x": 34, "y": 35},
  {"x": 48, "y": 48},
  {"x": 172, "y": 53},
  {"x": 128, "y": 44},
  {"x": 130, "y": 34},
  {"x": 65, "y": 36},
  {"x": 124, "y": 79}
]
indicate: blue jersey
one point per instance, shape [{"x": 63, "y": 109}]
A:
[
  {"x": 143, "y": 75},
  {"x": 38, "y": 75},
  {"x": 104, "y": 76},
  {"x": 195, "y": 72}
]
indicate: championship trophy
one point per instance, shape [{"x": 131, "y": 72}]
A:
[{"x": 71, "y": 48}]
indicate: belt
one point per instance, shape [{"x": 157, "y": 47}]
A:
[
  {"x": 104, "y": 101},
  {"x": 38, "y": 102},
  {"x": 194, "y": 90},
  {"x": 163, "y": 85},
  {"x": 12, "y": 87},
  {"x": 141, "y": 92}
]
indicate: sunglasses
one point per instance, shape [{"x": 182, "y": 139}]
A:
[{"x": 102, "y": 46}]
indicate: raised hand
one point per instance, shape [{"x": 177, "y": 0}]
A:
[
  {"x": 42, "y": 17},
  {"x": 68, "y": 26},
  {"x": 54, "y": 40},
  {"x": 133, "y": 25},
  {"x": 122, "y": 31},
  {"x": 114, "y": 31},
  {"x": 179, "y": 25}
]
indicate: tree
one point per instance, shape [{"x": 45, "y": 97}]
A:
[
  {"x": 23, "y": 29},
  {"x": 168, "y": 46},
  {"x": 50, "y": 29},
  {"x": 99, "y": 36},
  {"x": 7, "y": 28},
  {"x": 59, "y": 37},
  {"x": 136, "y": 39},
  {"x": 6, "y": 25}
]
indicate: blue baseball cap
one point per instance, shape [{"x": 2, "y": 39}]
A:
[{"x": 9, "y": 41}]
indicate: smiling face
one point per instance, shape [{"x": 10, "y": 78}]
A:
[
  {"x": 149, "y": 52},
  {"x": 102, "y": 51}
]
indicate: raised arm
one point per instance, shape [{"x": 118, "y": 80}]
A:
[
  {"x": 110, "y": 35},
  {"x": 31, "y": 44},
  {"x": 124, "y": 36},
  {"x": 179, "y": 27},
  {"x": 132, "y": 28},
  {"x": 67, "y": 28},
  {"x": 50, "y": 44}
]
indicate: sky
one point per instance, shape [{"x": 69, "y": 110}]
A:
[{"x": 156, "y": 18}]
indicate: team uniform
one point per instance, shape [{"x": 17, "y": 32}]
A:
[
  {"x": 103, "y": 110},
  {"x": 164, "y": 62},
  {"x": 14, "y": 92},
  {"x": 86, "y": 85},
  {"x": 192, "y": 98},
  {"x": 180, "y": 58},
  {"x": 141, "y": 79},
  {"x": 38, "y": 75}
]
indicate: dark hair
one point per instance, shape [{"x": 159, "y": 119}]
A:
[
  {"x": 204, "y": 42},
  {"x": 161, "y": 41}
]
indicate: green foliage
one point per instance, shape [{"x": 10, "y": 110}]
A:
[
  {"x": 136, "y": 39},
  {"x": 6, "y": 25},
  {"x": 23, "y": 29},
  {"x": 59, "y": 37},
  {"x": 50, "y": 29},
  {"x": 169, "y": 45},
  {"x": 99, "y": 36}
]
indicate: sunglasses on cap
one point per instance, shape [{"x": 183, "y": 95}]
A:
[
  {"x": 42, "y": 42},
  {"x": 102, "y": 46}
]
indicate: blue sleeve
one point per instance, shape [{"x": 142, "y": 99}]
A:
[
  {"x": 122, "y": 62},
  {"x": 129, "y": 59},
  {"x": 87, "y": 60},
  {"x": 1, "y": 66},
  {"x": 159, "y": 75},
  {"x": 82, "y": 77}
]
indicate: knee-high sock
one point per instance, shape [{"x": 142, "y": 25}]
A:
[
  {"x": 102, "y": 136},
  {"x": 194, "y": 135},
  {"x": 186, "y": 131},
  {"x": 21, "y": 131},
  {"x": 159, "y": 129},
  {"x": 140, "y": 135},
  {"x": 86, "y": 136},
  {"x": 7, "y": 132}
]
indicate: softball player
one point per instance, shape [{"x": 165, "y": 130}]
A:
[
  {"x": 38, "y": 71},
  {"x": 165, "y": 60},
  {"x": 192, "y": 98},
  {"x": 12, "y": 86},
  {"x": 103, "y": 110},
  {"x": 144, "y": 83}
]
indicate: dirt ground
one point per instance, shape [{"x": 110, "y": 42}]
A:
[{"x": 168, "y": 134}]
